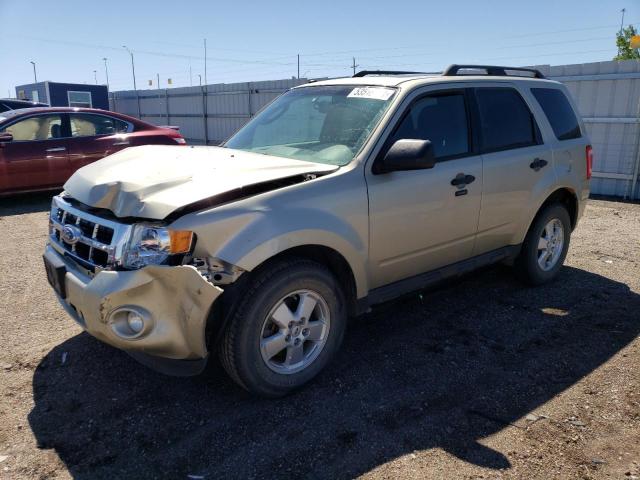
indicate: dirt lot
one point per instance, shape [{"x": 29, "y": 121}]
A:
[{"x": 483, "y": 378}]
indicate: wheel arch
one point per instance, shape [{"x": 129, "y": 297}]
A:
[
  {"x": 332, "y": 259},
  {"x": 338, "y": 265},
  {"x": 565, "y": 196}
]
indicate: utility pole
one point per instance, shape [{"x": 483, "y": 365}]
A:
[
  {"x": 133, "y": 67},
  {"x": 354, "y": 66},
  {"x": 298, "y": 66},
  {"x": 106, "y": 71},
  {"x": 190, "y": 74},
  {"x": 205, "y": 62},
  {"x": 95, "y": 76},
  {"x": 200, "y": 78},
  {"x": 158, "y": 78},
  {"x": 35, "y": 77},
  {"x": 621, "y": 25}
]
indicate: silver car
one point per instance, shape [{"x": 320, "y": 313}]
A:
[{"x": 339, "y": 195}]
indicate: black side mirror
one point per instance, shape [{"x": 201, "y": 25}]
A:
[
  {"x": 408, "y": 154},
  {"x": 5, "y": 137}
]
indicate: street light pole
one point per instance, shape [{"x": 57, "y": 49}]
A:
[
  {"x": 133, "y": 67},
  {"x": 135, "y": 88},
  {"x": 95, "y": 76},
  {"x": 106, "y": 71},
  {"x": 35, "y": 77}
]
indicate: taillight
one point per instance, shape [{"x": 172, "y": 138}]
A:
[
  {"x": 589, "y": 158},
  {"x": 180, "y": 140}
]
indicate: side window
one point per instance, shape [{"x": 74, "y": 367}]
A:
[
  {"x": 41, "y": 127},
  {"x": 505, "y": 119},
  {"x": 88, "y": 125},
  {"x": 558, "y": 110},
  {"x": 441, "y": 118}
]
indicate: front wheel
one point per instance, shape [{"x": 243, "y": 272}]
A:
[
  {"x": 287, "y": 326},
  {"x": 545, "y": 247}
]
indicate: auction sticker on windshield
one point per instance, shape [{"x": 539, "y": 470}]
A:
[{"x": 375, "y": 93}]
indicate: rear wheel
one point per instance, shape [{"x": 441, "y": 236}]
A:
[
  {"x": 285, "y": 329},
  {"x": 545, "y": 247}
]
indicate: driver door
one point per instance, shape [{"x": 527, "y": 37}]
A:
[
  {"x": 37, "y": 157},
  {"x": 419, "y": 221}
]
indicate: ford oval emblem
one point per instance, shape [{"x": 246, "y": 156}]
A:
[{"x": 70, "y": 234}]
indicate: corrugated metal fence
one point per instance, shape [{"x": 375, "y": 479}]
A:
[
  {"x": 607, "y": 93},
  {"x": 206, "y": 115},
  {"x": 608, "y": 97}
]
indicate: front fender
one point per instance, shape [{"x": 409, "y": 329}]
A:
[
  {"x": 331, "y": 211},
  {"x": 265, "y": 237}
]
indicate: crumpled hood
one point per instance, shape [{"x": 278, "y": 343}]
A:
[{"x": 153, "y": 181}]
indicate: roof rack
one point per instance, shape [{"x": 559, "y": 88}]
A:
[
  {"x": 493, "y": 70},
  {"x": 364, "y": 73}
]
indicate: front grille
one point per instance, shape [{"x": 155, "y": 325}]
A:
[{"x": 99, "y": 241}]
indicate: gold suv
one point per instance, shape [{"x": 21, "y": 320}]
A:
[{"x": 338, "y": 195}]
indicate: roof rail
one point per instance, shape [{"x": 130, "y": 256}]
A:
[
  {"x": 494, "y": 70},
  {"x": 364, "y": 73}
]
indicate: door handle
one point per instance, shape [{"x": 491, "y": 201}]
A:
[
  {"x": 117, "y": 144},
  {"x": 56, "y": 149},
  {"x": 461, "y": 180},
  {"x": 538, "y": 163}
]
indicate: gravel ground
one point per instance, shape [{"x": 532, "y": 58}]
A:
[{"x": 482, "y": 378}]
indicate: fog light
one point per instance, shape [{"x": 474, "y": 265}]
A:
[
  {"x": 135, "y": 322},
  {"x": 130, "y": 322}
]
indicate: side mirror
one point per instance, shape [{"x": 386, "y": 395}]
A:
[
  {"x": 407, "y": 154},
  {"x": 5, "y": 137}
]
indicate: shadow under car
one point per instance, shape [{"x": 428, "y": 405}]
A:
[{"x": 439, "y": 369}]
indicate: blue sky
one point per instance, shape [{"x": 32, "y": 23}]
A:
[{"x": 260, "y": 40}]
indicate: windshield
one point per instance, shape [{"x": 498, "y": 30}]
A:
[{"x": 323, "y": 124}]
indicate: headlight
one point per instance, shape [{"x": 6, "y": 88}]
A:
[{"x": 153, "y": 245}]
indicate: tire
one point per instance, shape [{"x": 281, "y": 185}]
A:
[
  {"x": 273, "y": 306},
  {"x": 531, "y": 266}
]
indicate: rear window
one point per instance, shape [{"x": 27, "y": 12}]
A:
[
  {"x": 558, "y": 110},
  {"x": 506, "y": 121}
]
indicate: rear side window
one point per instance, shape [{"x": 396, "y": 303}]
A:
[
  {"x": 442, "y": 119},
  {"x": 88, "y": 125},
  {"x": 505, "y": 119},
  {"x": 558, "y": 110}
]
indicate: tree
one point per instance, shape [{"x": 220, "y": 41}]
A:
[{"x": 623, "y": 41}]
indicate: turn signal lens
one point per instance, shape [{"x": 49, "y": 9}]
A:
[
  {"x": 180, "y": 241},
  {"x": 589, "y": 158}
]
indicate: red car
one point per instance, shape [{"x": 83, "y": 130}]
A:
[{"x": 40, "y": 148}]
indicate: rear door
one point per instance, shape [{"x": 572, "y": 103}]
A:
[
  {"x": 568, "y": 142},
  {"x": 419, "y": 220},
  {"x": 516, "y": 163},
  {"x": 37, "y": 157},
  {"x": 94, "y": 136}
]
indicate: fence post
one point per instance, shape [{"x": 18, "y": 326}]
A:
[
  {"x": 166, "y": 101},
  {"x": 204, "y": 115}
]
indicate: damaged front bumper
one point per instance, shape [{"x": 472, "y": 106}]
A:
[{"x": 170, "y": 306}]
